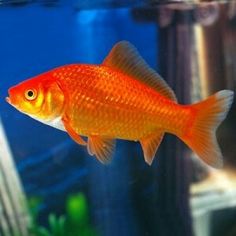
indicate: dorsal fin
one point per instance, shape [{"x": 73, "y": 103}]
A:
[{"x": 125, "y": 57}]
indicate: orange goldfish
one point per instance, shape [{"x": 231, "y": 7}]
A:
[{"x": 123, "y": 98}]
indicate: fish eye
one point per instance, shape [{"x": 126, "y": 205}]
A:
[{"x": 30, "y": 94}]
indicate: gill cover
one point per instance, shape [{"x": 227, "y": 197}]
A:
[{"x": 53, "y": 103}]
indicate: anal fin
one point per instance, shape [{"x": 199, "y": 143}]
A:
[
  {"x": 101, "y": 147},
  {"x": 150, "y": 145}
]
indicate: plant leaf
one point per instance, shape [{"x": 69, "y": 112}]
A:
[
  {"x": 41, "y": 231},
  {"x": 77, "y": 209},
  {"x": 53, "y": 224}
]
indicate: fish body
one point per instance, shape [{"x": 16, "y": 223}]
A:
[
  {"x": 120, "y": 99},
  {"x": 104, "y": 101}
]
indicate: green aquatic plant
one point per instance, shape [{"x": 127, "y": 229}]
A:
[
  {"x": 75, "y": 222},
  {"x": 56, "y": 227},
  {"x": 78, "y": 216},
  {"x": 33, "y": 204}
]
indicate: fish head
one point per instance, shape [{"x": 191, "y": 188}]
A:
[{"x": 40, "y": 97}]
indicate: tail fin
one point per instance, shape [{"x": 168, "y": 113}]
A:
[{"x": 201, "y": 137}]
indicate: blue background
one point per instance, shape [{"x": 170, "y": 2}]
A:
[{"x": 34, "y": 39}]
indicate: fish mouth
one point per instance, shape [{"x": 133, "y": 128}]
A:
[
  {"x": 11, "y": 98},
  {"x": 8, "y": 100}
]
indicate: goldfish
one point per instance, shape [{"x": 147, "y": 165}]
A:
[{"x": 121, "y": 98}]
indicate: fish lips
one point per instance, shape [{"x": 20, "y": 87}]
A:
[{"x": 9, "y": 99}]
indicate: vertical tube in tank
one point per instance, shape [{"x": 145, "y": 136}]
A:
[
  {"x": 14, "y": 215},
  {"x": 176, "y": 37}
]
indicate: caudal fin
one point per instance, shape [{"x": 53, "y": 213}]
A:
[{"x": 201, "y": 137}]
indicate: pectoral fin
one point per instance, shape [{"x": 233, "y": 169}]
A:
[
  {"x": 101, "y": 147},
  {"x": 150, "y": 145},
  {"x": 72, "y": 133}
]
